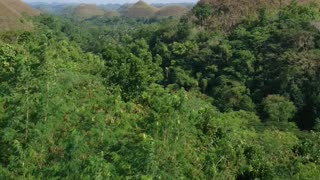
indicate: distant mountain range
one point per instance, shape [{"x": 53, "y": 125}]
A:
[
  {"x": 12, "y": 12},
  {"x": 137, "y": 10}
]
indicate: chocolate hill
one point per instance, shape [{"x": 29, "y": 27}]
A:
[
  {"x": 12, "y": 14},
  {"x": 140, "y": 10},
  {"x": 86, "y": 11}
]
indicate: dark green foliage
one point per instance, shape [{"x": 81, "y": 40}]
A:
[
  {"x": 232, "y": 95},
  {"x": 202, "y": 11}
]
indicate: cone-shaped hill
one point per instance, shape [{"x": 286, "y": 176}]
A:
[
  {"x": 11, "y": 15},
  {"x": 86, "y": 11},
  {"x": 140, "y": 10}
]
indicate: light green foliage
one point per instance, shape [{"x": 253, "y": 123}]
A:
[
  {"x": 278, "y": 108},
  {"x": 181, "y": 78},
  {"x": 11, "y": 65},
  {"x": 309, "y": 147},
  {"x": 309, "y": 171}
]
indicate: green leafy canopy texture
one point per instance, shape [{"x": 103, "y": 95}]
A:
[
  {"x": 278, "y": 108},
  {"x": 122, "y": 98}
]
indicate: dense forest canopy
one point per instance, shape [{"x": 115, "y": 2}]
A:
[{"x": 115, "y": 97}]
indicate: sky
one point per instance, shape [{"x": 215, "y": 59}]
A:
[{"x": 110, "y": 1}]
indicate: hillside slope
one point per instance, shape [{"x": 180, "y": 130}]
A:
[
  {"x": 140, "y": 10},
  {"x": 169, "y": 11},
  {"x": 85, "y": 11},
  {"x": 226, "y": 13},
  {"x": 11, "y": 15}
]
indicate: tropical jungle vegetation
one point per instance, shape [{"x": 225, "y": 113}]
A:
[{"x": 192, "y": 97}]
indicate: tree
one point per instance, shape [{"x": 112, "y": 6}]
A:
[
  {"x": 278, "y": 108},
  {"x": 202, "y": 11},
  {"x": 232, "y": 95},
  {"x": 307, "y": 171},
  {"x": 132, "y": 68}
]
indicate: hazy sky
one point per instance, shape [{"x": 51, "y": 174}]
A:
[{"x": 110, "y": 1}]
